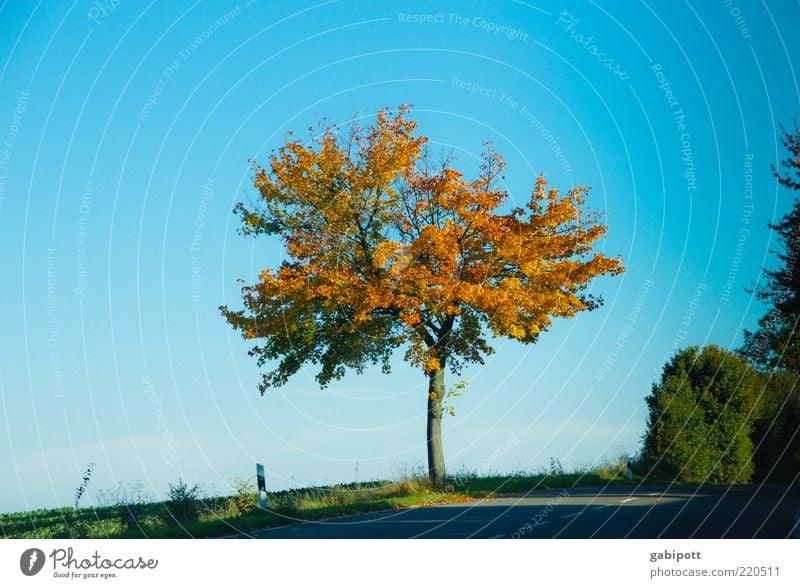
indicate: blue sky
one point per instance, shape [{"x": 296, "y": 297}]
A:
[{"x": 127, "y": 131}]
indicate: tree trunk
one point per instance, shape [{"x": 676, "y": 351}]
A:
[{"x": 436, "y": 393}]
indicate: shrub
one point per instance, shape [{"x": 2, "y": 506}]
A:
[
  {"x": 701, "y": 416},
  {"x": 182, "y": 504},
  {"x": 245, "y": 497}
]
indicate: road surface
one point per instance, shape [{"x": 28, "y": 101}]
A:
[{"x": 644, "y": 512}]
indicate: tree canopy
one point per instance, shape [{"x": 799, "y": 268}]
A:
[{"x": 387, "y": 248}]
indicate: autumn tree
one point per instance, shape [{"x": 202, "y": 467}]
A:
[
  {"x": 701, "y": 416},
  {"x": 387, "y": 250}
]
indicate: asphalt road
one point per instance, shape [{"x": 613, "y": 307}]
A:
[{"x": 645, "y": 512}]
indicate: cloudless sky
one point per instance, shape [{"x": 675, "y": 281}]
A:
[{"x": 127, "y": 129}]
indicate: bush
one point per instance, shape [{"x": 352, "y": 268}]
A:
[
  {"x": 701, "y": 416},
  {"x": 245, "y": 498},
  {"x": 182, "y": 505}
]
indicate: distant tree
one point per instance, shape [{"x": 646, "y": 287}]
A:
[
  {"x": 774, "y": 344},
  {"x": 701, "y": 416},
  {"x": 776, "y": 433},
  {"x": 387, "y": 250}
]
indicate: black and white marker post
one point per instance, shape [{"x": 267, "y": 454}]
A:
[{"x": 262, "y": 486}]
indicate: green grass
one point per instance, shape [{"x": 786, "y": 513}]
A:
[{"x": 227, "y": 515}]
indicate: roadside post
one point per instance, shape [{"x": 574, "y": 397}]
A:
[{"x": 262, "y": 486}]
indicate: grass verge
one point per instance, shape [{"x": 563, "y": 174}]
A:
[{"x": 238, "y": 513}]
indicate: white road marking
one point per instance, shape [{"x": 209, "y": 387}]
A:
[
  {"x": 414, "y": 521},
  {"x": 653, "y": 494},
  {"x": 629, "y": 499},
  {"x": 600, "y": 507},
  {"x": 570, "y": 515},
  {"x": 500, "y": 536}
]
